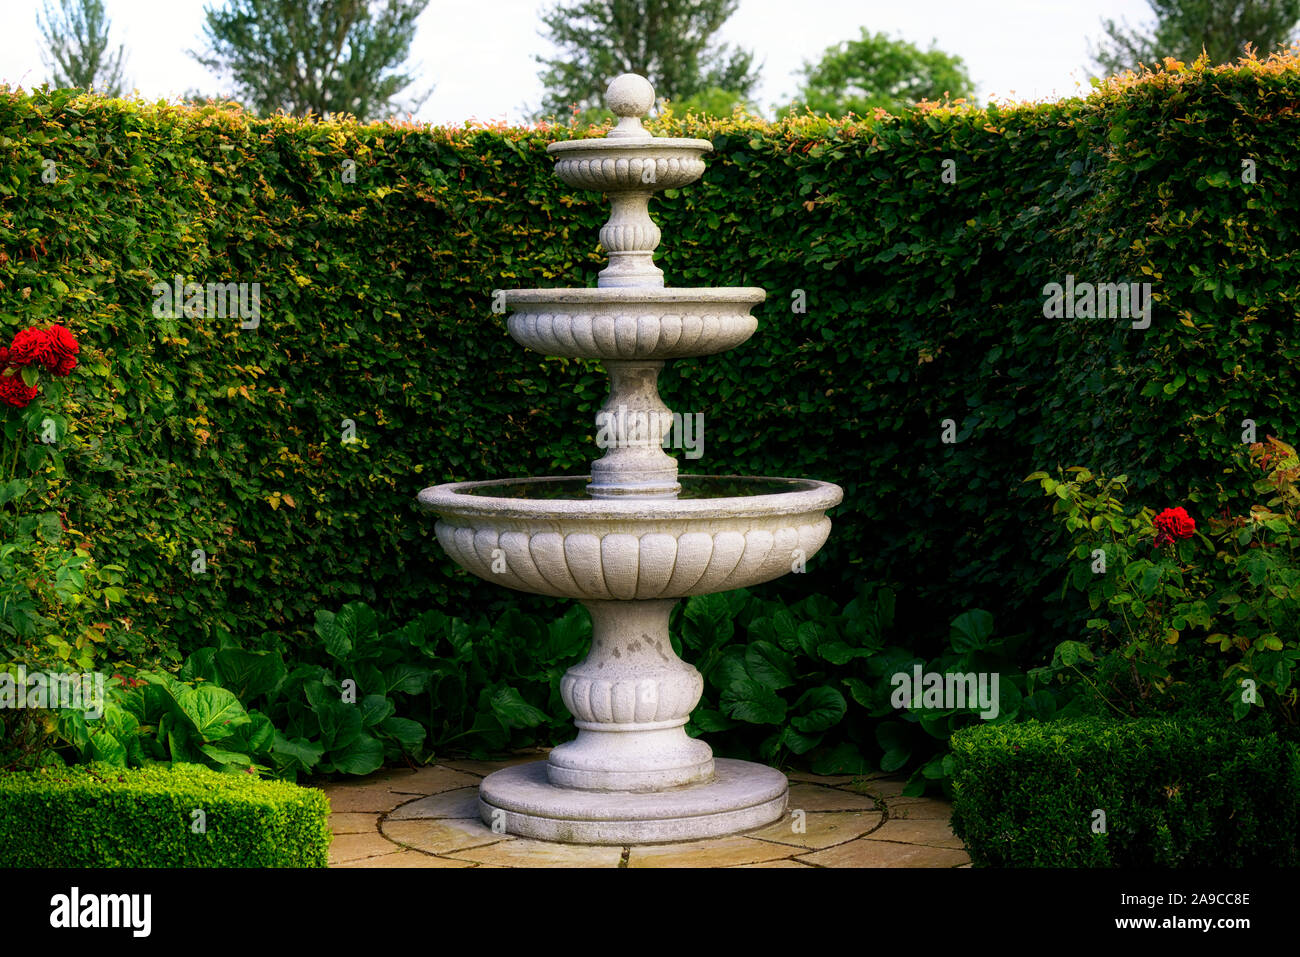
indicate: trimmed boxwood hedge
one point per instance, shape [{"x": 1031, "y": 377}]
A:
[
  {"x": 101, "y": 816},
  {"x": 1175, "y": 793},
  {"x": 898, "y": 299}
]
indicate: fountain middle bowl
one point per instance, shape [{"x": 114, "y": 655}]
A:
[
  {"x": 548, "y": 537},
  {"x": 632, "y": 323}
]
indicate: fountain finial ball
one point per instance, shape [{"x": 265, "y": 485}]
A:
[{"x": 629, "y": 95}]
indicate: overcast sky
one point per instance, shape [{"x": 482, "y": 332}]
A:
[{"x": 479, "y": 54}]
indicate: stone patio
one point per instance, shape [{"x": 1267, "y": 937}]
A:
[{"x": 429, "y": 818}]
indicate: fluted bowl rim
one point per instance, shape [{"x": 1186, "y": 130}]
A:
[
  {"x": 452, "y": 500},
  {"x": 634, "y": 295},
  {"x": 603, "y": 144}
]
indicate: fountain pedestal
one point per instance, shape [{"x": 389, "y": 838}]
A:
[
  {"x": 632, "y": 775},
  {"x": 631, "y": 698},
  {"x": 632, "y": 538}
]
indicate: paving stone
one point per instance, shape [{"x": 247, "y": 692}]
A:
[
  {"x": 813, "y": 797},
  {"x": 822, "y": 829},
  {"x": 462, "y": 802},
  {"x": 372, "y": 799},
  {"x": 484, "y": 768},
  {"x": 403, "y": 858},
  {"x": 868, "y": 853},
  {"x": 442, "y": 836},
  {"x": 882, "y": 787},
  {"x": 524, "y": 852},
  {"x": 719, "y": 852},
  {"x": 780, "y": 863},
  {"x": 349, "y": 823},
  {"x": 431, "y": 780},
  {"x": 355, "y": 847},
  {"x": 810, "y": 778},
  {"x": 932, "y": 832},
  {"x": 920, "y": 810}
]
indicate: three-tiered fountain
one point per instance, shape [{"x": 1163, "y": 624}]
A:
[{"x": 633, "y": 537}]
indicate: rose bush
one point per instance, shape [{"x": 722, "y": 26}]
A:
[
  {"x": 1154, "y": 610},
  {"x": 54, "y": 598}
]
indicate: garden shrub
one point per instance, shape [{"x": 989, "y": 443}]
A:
[
  {"x": 811, "y": 682},
  {"x": 1169, "y": 601},
  {"x": 102, "y": 816},
  {"x": 1186, "y": 793},
  {"x": 906, "y": 293}
]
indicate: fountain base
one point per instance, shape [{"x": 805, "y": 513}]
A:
[{"x": 741, "y": 796}]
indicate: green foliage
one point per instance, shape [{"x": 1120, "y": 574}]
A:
[
  {"x": 1184, "y": 29},
  {"x": 811, "y": 682},
  {"x": 1154, "y": 608},
  {"x": 56, "y": 600},
  {"x": 1175, "y": 793},
  {"x": 819, "y": 683},
  {"x": 670, "y": 42},
  {"x": 103, "y": 816},
  {"x": 192, "y": 433},
  {"x": 876, "y": 72},
  {"x": 318, "y": 56}
]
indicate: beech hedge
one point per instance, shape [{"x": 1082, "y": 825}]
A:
[{"x": 246, "y": 477}]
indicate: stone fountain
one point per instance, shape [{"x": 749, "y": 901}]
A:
[{"x": 633, "y": 537}]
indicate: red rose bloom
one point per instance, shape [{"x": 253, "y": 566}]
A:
[
  {"x": 30, "y": 346},
  {"x": 14, "y": 392},
  {"x": 1173, "y": 524},
  {"x": 63, "y": 365},
  {"x": 62, "y": 343}
]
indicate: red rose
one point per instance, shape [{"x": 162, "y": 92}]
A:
[
  {"x": 30, "y": 346},
  {"x": 1173, "y": 524},
  {"x": 62, "y": 342},
  {"x": 4, "y": 358},
  {"x": 63, "y": 366},
  {"x": 14, "y": 392}
]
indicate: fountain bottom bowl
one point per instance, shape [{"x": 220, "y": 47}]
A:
[{"x": 741, "y": 796}]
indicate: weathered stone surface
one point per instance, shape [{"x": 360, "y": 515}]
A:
[
  {"x": 401, "y": 858},
  {"x": 350, "y": 823},
  {"x": 742, "y": 796},
  {"x": 933, "y": 832},
  {"x": 721, "y": 852},
  {"x": 828, "y": 780},
  {"x": 462, "y": 802},
  {"x": 880, "y": 787},
  {"x": 814, "y": 797},
  {"x": 374, "y": 798},
  {"x": 522, "y": 852},
  {"x": 441, "y": 836},
  {"x": 430, "y": 780},
  {"x": 447, "y": 823},
  {"x": 924, "y": 809},
  {"x": 822, "y": 828},
  {"x": 355, "y": 847},
  {"x": 780, "y": 863},
  {"x": 484, "y": 768},
  {"x": 867, "y": 853}
]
